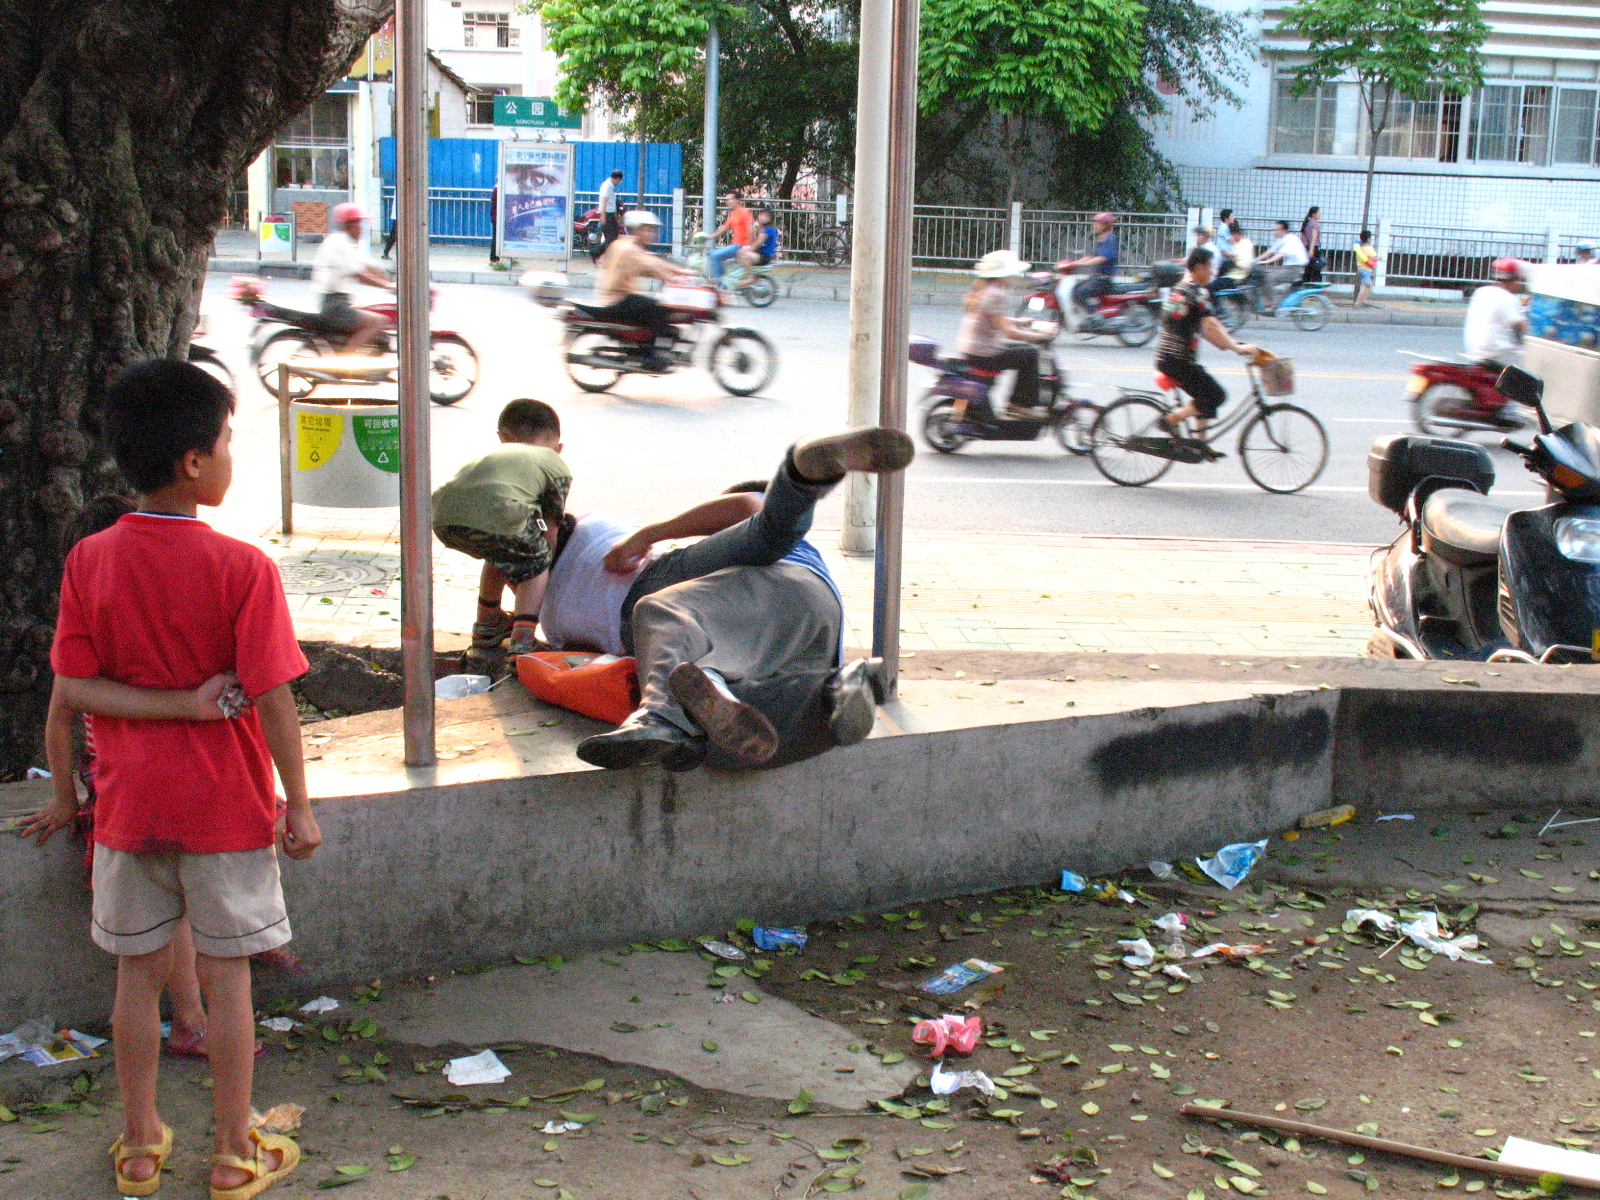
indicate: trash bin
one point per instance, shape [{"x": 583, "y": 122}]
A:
[{"x": 345, "y": 452}]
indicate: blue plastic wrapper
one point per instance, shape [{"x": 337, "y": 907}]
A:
[
  {"x": 1071, "y": 881},
  {"x": 1232, "y": 863},
  {"x": 958, "y": 976},
  {"x": 768, "y": 937}
]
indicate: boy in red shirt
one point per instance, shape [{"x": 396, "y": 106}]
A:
[{"x": 152, "y": 611}]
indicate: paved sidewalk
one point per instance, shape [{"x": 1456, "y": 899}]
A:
[{"x": 1048, "y": 592}]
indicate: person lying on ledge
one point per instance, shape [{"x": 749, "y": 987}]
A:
[{"x": 738, "y": 635}]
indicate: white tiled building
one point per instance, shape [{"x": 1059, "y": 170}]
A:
[{"x": 1521, "y": 153}]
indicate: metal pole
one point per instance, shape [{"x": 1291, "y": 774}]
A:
[
  {"x": 285, "y": 452},
  {"x": 411, "y": 258},
  {"x": 708, "y": 176},
  {"x": 643, "y": 147},
  {"x": 868, "y": 233},
  {"x": 900, "y": 197}
]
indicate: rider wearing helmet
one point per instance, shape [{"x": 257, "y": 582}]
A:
[
  {"x": 1586, "y": 255},
  {"x": 342, "y": 262},
  {"x": 1496, "y": 320},
  {"x": 1102, "y": 260},
  {"x": 624, "y": 266}
]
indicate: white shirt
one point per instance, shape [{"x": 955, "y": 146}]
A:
[
  {"x": 339, "y": 262},
  {"x": 582, "y": 607},
  {"x": 608, "y": 195},
  {"x": 1490, "y": 333},
  {"x": 1292, "y": 249}
]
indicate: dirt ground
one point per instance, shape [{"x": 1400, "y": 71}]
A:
[{"x": 1093, "y": 1058}]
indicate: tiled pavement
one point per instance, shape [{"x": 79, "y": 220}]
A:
[{"x": 962, "y": 591}]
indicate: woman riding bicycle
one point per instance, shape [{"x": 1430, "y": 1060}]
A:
[
  {"x": 1186, "y": 317},
  {"x": 989, "y": 334}
]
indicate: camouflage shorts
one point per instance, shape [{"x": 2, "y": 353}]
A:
[{"x": 518, "y": 558}]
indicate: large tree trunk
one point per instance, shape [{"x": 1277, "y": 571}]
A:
[{"x": 122, "y": 124}]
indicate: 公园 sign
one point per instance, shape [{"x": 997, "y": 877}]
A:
[{"x": 533, "y": 112}]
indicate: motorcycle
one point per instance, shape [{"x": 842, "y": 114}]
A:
[
  {"x": 1303, "y": 302},
  {"x": 206, "y": 358},
  {"x": 289, "y": 335},
  {"x": 1450, "y": 399},
  {"x": 958, "y": 410},
  {"x": 601, "y": 350},
  {"x": 754, "y": 285},
  {"x": 1129, "y": 312},
  {"x": 1469, "y": 579},
  {"x": 589, "y": 234}
]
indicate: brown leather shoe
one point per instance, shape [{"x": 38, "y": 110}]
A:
[
  {"x": 826, "y": 459},
  {"x": 730, "y": 724}
]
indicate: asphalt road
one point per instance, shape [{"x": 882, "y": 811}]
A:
[{"x": 655, "y": 445}]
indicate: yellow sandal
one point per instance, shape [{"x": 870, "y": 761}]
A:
[
  {"x": 121, "y": 1154},
  {"x": 261, "y": 1178}
]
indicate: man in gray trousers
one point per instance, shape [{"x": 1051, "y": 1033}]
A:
[{"x": 738, "y": 635}]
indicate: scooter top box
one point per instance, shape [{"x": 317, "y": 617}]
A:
[{"x": 1398, "y": 462}]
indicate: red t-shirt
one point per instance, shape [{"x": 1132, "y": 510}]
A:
[
  {"x": 168, "y": 602},
  {"x": 740, "y": 221}
]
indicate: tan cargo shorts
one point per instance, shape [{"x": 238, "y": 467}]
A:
[{"x": 234, "y": 901}]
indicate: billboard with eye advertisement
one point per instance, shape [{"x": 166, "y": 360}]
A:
[{"x": 535, "y": 210}]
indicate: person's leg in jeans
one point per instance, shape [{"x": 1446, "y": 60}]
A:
[{"x": 717, "y": 261}]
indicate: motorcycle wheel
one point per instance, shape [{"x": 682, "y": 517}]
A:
[
  {"x": 1311, "y": 313},
  {"x": 940, "y": 427},
  {"x": 760, "y": 292},
  {"x": 452, "y": 370},
  {"x": 1438, "y": 410},
  {"x": 1128, "y": 418},
  {"x": 1232, "y": 312},
  {"x": 1074, "y": 426},
  {"x": 591, "y": 378},
  {"x": 742, "y": 362},
  {"x": 206, "y": 359},
  {"x": 290, "y": 346},
  {"x": 1137, "y": 325}
]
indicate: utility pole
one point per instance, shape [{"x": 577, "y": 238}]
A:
[{"x": 708, "y": 174}]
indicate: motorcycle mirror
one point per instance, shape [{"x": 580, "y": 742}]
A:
[{"x": 1525, "y": 388}]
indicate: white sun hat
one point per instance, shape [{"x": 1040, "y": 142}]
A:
[{"x": 999, "y": 264}]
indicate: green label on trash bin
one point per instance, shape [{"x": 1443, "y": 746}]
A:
[{"x": 379, "y": 440}]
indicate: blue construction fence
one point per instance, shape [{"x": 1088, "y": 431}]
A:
[{"x": 462, "y": 173}]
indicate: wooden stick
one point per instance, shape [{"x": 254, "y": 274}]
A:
[{"x": 1376, "y": 1143}]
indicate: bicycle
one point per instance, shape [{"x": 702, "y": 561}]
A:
[
  {"x": 1302, "y": 302},
  {"x": 831, "y": 244},
  {"x": 1282, "y": 447}
]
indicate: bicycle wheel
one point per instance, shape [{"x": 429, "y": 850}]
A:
[
  {"x": 1138, "y": 325},
  {"x": 832, "y": 248},
  {"x": 1113, "y": 441},
  {"x": 1232, "y": 312},
  {"x": 1311, "y": 313},
  {"x": 1074, "y": 427},
  {"x": 760, "y": 292},
  {"x": 1283, "y": 448},
  {"x": 743, "y": 362},
  {"x": 941, "y": 428}
]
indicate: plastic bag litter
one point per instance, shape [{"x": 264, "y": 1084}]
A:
[
  {"x": 1232, "y": 863},
  {"x": 1140, "y": 952},
  {"x": 279, "y": 1025},
  {"x": 561, "y": 1127},
  {"x": 280, "y": 1118},
  {"x": 454, "y": 687},
  {"x": 1071, "y": 881},
  {"x": 321, "y": 1004},
  {"x": 723, "y": 949},
  {"x": 30, "y": 1035},
  {"x": 484, "y": 1067},
  {"x": 949, "y": 1033},
  {"x": 1174, "y": 924},
  {"x": 1371, "y": 916},
  {"x": 1174, "y": 971},
  {"x": 770, "y": 937},
  {"x": 1425, "y": 932},
  {"x": 1232, "y": 953},
  {"x": 959, "y": 975},
  {"x": 1398, "y": 817},
  {"x": 1161, "y": 870},
  {"x": 945, "y": 1083}
]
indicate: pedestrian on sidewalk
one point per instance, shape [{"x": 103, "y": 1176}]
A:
[
  {"x": 610, "y": 210},
  {"x": 155, "y": 612},
  {"x": 1311, "y": 238},
  {"x": 504, "y": 509},
  {"x": 1366, "y": 269}
]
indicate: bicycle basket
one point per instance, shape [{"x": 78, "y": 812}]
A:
[{"x": 1277, "y": 376}]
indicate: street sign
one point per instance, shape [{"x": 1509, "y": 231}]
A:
[
  {"x": 276, "y": 236},
  {"x": 535, "y": 112}
]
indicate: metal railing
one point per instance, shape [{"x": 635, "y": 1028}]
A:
[
  {"x": 1142, "y": 238},
  {"x": 455, "y": 215}
]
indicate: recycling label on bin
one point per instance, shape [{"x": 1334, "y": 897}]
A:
[
  {"x": 320, "y": 434},
  {"x": 379, "y": 440}
]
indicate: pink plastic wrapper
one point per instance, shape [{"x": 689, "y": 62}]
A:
[{"x": 948, "y": 1034}]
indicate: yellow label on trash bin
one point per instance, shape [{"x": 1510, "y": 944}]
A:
[{"x": 319, "y": 437}]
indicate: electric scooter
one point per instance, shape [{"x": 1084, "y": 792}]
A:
[{"x": 957, "y": 408}]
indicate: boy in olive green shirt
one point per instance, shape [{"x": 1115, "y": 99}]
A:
[{"x": 505, "y": 509}]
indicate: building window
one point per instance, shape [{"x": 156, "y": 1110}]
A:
[
  {"x": 480, "y": 106},
  {"x": 1427, "y": 126},
  {"x": 1512, "y": 124},
  {"x": 1575, "y": 131},
  {"x": 489, "y": 30},
  {"x": 1304, "y": 124},
  {"x": 314, "y": 151},
  {"x": 325, "y": 123}
]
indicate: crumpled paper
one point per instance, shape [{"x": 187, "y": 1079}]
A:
[
  {"x": 280, "y": 1118},
  {"x": 279, "y": 1024},
  {"x": 1140, "y": 952},
  {"x": 1424, "y": 931},
  {"x": 485, "y": 1067},
  {"x": 1231, "y": 953},
  {"x": 944, "y": 1083},
  {"x": 321, "y": 1004}
]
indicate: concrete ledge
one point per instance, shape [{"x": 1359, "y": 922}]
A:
[{"x": 511, "y": 846}]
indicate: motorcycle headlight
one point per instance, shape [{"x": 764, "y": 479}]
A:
[
  {"x": 1036, "y": 304},
  {"x": 1578, "y": 539}
]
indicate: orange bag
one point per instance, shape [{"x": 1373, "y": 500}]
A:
[{"x": 606, "y": 691}]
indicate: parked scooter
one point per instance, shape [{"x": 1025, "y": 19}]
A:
[
  {"x": 1454, "y": 398},
  {"x": 1469, "y": 579},
  {"x": 957, "y": 409}
]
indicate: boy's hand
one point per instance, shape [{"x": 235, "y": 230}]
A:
[
  {"x": 627, "y": 554},
  {"x": 301, "y": 836},
  {"x": 59, "y": 814},
  {"x": 219, "y": 697}
]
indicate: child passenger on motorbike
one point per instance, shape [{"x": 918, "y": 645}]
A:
[
  {"x": 989, "y": 333},
  {"x": 1186, "y": 317}
]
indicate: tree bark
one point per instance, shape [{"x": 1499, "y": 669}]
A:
[{"x": 122, "y": 125}]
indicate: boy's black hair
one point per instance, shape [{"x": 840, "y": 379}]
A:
[
  {"x": 530, "y": 419},
  {"x": 1365, "y": 234},
  {"x": 749, "y": 485},
  {"x": 100, "y": 513},
  {"x": 157, "y": 412},
  {"x": 617, "y": 174},
  {"x": 1225, "y": 214},
  {"x": 1198, "y": 257}
]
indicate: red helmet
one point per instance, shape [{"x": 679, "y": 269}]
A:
[
  {"x": 343, "y": 214},
  {"x": 1509, "y": 267}
]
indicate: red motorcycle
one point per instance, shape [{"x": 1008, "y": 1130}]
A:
[
  {"x": 289, "y": 335},
  {"x": 1129, "y": 312},
  {"x": 1452, "y": 399},
  {"x": 601, "y": 350}
]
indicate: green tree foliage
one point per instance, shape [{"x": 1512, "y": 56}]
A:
[
  {"x": 1390, "y": 48},
  {"x": 624, "y": 52}
]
